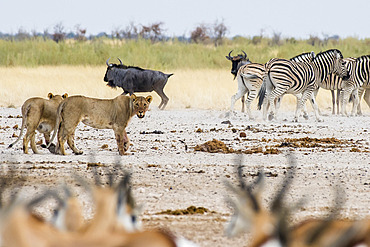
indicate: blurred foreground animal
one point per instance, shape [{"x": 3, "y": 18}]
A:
[
  {"x": 115, "y": 221},
  {"x": 270, "y": 227},
  {"x": 137, "y": 80},
  {"x": 98, "y": 113},
  {"x": 38, "y": 114}
]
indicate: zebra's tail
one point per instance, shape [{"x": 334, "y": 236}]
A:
[{"x": 261, "y": 94}]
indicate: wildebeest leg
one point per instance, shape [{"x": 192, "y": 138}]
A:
[
  {"x": 71, "y": 144},
  {"x": 164, "y": 98}
]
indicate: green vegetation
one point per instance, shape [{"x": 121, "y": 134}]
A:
[{"x": 165, "y": 55}]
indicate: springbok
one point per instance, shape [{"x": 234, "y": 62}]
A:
[{"x": 269, "y": 227}]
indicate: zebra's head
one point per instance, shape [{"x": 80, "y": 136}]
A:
[
  {"x": 237, "y": 61},
  {"x": 340, "y": 67}
]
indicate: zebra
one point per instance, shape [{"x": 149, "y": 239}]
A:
[
  {"x": 250, "y": 77},
  {"x": 334, "y": 82},
  {"x": 236, "y": 62},
  {"x": 285, "y": 76},
  {"x": 359, "y": 77}
]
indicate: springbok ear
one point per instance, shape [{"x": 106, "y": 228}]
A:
[
  {"x": 149, "y": 99},
  {"x": 50, "y": 95},
  {"x": 65, "y": 96},
  {"x": 133, "y": 97}
]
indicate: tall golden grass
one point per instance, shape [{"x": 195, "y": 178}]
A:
[{"x": 201, "y": 89}]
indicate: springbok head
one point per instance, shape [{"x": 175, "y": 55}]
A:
[{"x": 251, "y": 216}]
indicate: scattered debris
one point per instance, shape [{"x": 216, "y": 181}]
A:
[
  {"x": 189, "y": 211},
  {"x": 158, "y": 132}
]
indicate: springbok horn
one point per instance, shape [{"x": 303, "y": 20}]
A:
[
  {"x": 120, "y": 61},
  {"x": 247, "y": 189},
  {"x": 107, "y": 62},
  {"x": 276, "y": 203},
  {"x": 245, "y": 54}
]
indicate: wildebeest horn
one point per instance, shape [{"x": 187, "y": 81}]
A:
[
  {"x": 107, "y": 62},
  {"x": 120, "y": 61},
  {"x": 229, "y": 56},
  {"x": 245, "y": 54}
]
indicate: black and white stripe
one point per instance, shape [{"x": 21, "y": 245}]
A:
[
  {"x": 285, "y": 76},
  {"x": 250, "y": 77},
  {"x": 359, "y": 77}
]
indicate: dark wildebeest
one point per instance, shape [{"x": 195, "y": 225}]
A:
[
  {"x": 134, "y": 79},
  {"x": 236, "y": 62}
]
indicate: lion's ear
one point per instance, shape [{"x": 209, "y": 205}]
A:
[
  {"x": 149, "y": 99},
  {"x": 65, "y": 96},
  {"x": 50, "y": 95},
  {"x": 133, "y": 97}
]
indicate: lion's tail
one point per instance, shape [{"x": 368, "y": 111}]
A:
[
  {"x": 25, "y": 111},
  {"x": 57, "y": 122}
]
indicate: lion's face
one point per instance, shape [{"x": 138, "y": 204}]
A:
[{"x": 141, "y": 104}]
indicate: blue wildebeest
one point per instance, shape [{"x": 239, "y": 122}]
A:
[
  {"x": 236, "y": 62},
  {"x": 134, "y": 79}
]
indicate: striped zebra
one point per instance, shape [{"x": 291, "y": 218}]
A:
[
  {"x": 236, "y": 62},
  {"x": 285, "y": 76},
  {"x": 334, "y": 82},
  {"x": 358, "y": 78},
  {"x": 250, "y": 77}
]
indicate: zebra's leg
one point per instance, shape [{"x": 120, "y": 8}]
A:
[
  {"x": 241, "y": 92},
  {"x": 355, "y": 101},
  {"x": 345, "y": 98},
  {"x": 367, "y": 96},
  {"x": 271, "y": 100},
  {"x": 338, "y": 99},
  {"x": 361, "y": 92},
  {"x": 305, "y": 113},
  {"x": 300, "y": 104},
  {"x": 252, "y": 94},
  {"x": 333, "y": 101},
  {"x": 315, "y": 107},
  {"x": 242, "y": 100}
]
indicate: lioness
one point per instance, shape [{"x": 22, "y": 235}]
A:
[
  {"x": 98, "y": 113},
  {"x": 40, "y": 114}
]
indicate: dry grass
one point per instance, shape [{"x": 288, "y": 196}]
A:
[{"x": 204, "y": 89}]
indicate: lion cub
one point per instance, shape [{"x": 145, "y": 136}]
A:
[
  {"x": 40, "y": 114},
  {"x": 98, "y": 113}
]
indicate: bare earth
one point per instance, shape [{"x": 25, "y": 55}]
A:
[{"x": 169, "y": 174}]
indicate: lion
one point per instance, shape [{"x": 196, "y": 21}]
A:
[
  {"x": 98, "y": 113},
  {"x": 40, "y": 114}
]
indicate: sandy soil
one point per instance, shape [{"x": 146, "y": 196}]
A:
[{"x": 169, "y": 174}]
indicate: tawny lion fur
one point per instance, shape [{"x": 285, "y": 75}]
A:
[
  {"x": 40, "y": 114},
  {"x": 98, "y": 113}
]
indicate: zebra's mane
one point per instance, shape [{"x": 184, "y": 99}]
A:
[
  {"x": 303, "y": 57},
  {"x": 322, "y": 53},
  {"x": 363, "y": 57}
]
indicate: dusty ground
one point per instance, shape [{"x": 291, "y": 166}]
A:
[{"x": 169, "y": 174}]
